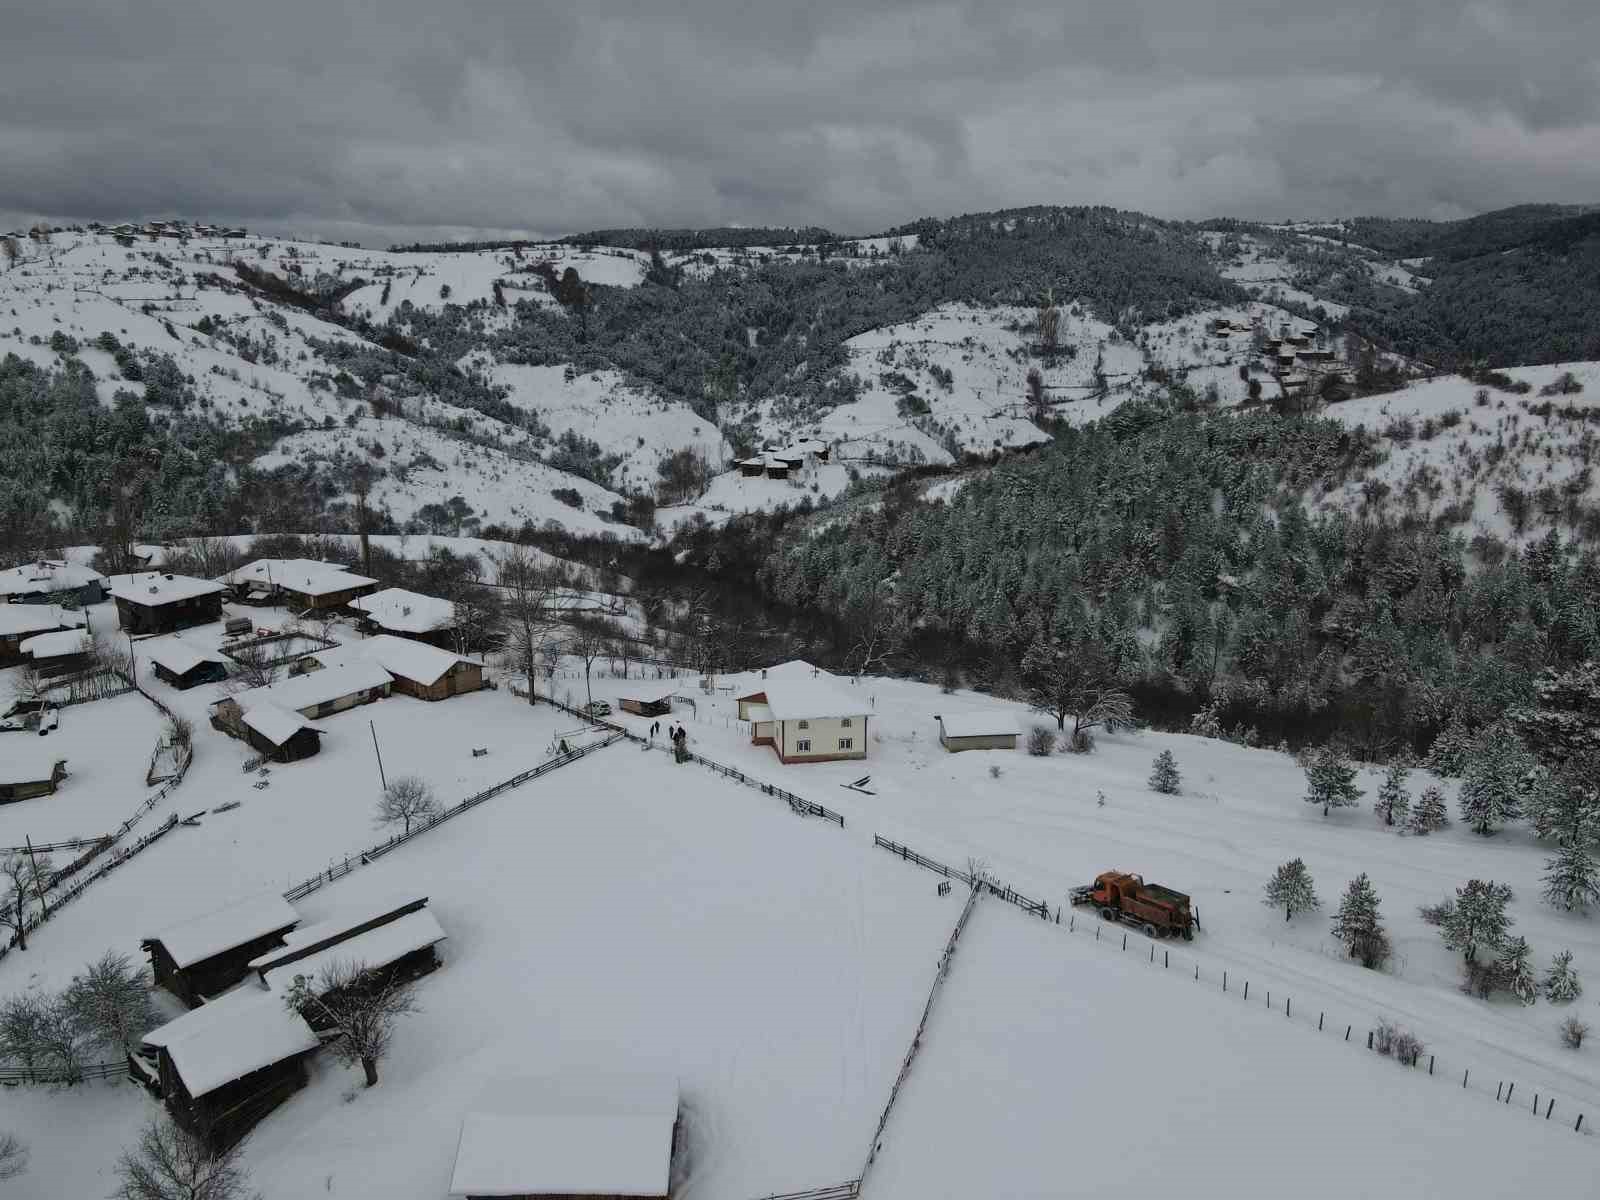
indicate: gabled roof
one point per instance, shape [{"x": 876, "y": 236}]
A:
[
  {"x": 340, "y": 923},
  {"x": 242, "y": 921},
  {"x": 176, "y": 655},
  {"x": 276, "y": 725},
  {"x": 152, "y": 588},
  {"x": 403, "y": 658},
  {"x": 297, "y": 575},
  {"x": 58, "y": 644},
  {"x": 405, "y": 611},
  {"x": 37, "y": 618},
  {"x": 583, "y": 1136},
  {"x": 29, "y": 759},
  {"x": 45, "y": 576},
  {"x": 246, "y": 1035},
  {"x": 317, "y": 687},
  {"x": 374, "y": 949},
  {"x": 796, "y": 695},
  {"x": 978, "y": 724}
]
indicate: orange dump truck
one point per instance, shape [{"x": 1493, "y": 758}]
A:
[{"x": 1158, "y": 911}]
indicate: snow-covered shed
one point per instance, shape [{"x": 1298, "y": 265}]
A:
[
  {"x": 402, "y": 949},
  {"x": 804, "y": 716},
  {"x": 303, "y": 583},
  {"x": 29, "y": 768},
  {"x": 51, "y": 581},
  {"x": 977, "y": 731},
  {"x": 315, "y": 694},
  {"x": 560, "y": 1139},
  {"x": 183, "y": 665},
  {"x": 58, "y": 652},
  {"x": 160, "y": 602},
  {"x": 19, "y": 622},
  {"x": 407, "y": 614},
  {"x": 203, "y": 956},
  {"x": 220, "y": 1075},
  {"x": 308, "y": 939},
  {"x": 639, "y": 706},
  {"x": 278, "y": 734}
]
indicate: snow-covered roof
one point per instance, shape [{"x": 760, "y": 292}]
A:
[
  {"x": 176, "y": 655},
  {"x": 36, "y": 618},
  {"x": 242, "y": 921},
  {"x": 198, "y": 1018},
  {"x": 317, "y": 687},
  {"x": 29, "y": 759},
  {"x": 759, "y": 711},
  {"x": 375, "y": 948},
  {"x": 410, "y": 659},
  {"x": 297, "y": 574},
  {"x": 978, "y": 724},
  {"x": 563, "y": 1137},
  {"x": 405, "y": 611},
  {"x": 56, "y": 645},
  {"x": 158, "y": 587},
  {"x": 45, "y": 576},
  {"x": 331, "y": 927},
  {"x": 274, "y": 724},
  {"x": 797, "y": 695},
  {"x": 242, "y": 1036}
]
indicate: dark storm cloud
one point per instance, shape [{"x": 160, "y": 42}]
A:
[{"x": 402, "y": 119}]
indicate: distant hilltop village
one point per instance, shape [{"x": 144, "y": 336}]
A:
[{"x": 148, "y": 229}]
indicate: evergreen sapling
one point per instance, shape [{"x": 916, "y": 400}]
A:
[
  {"x": 1394, "y": 801},
  {"x": 1164, "y": 776},
  {"x": 1561, "y": 982},
  {"x": 1331, "y": 781},
  {"x": 1290, "y": 889},
  {"x": 1430, "y": 812},
  {"x": 1357, "y": 923}
]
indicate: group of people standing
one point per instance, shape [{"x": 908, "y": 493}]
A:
[{"x": 680, "y": 740}]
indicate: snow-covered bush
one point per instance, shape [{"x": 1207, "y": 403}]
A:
[
  {"x": 1573, "y": 1031},
  {"x": 1041, "y": 741},
  {"x": 1408, "y": 1047}
]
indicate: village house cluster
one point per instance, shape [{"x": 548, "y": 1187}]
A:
[{"x": 776, "y": 462}]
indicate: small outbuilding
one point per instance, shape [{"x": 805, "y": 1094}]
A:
[
  {"x": 639, "y": 707},
  {"x": 283, "y": 737},
  {"x": 28, "y": 769},
  {"x": 315, "y": 694},
  {"x": 182, "y": 665},
  {"x": 59, "y": 653},
  {"x": 21, "y": 622},
  {"x": 306, "y": 940},
  {"x": 564, "y": 1139},
  {"x": 753, "y": 468},
  {"x": 397, "y": 951},
  {"x": 977, "y": 731},
  {"x": 160, "y": 602},
  {"x": 207, "y": 955}
]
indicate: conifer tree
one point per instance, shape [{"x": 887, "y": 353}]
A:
[
  {"x": 1394, "y": 801},
  {"x": 1430, "y": 812},
  {"x": 1494, "y": 781},
  {"x": 1164, "y": 776},
  {"x": 1357, "y": 923},
  {"x": 1516, "y": 972},
  {"x": 1561, "y": 982},
  {"x": 1477, "y": 920},
  {"x": 1331, "y": 781},
  {"x": 1290, "y": 888},
  {"x": 1572, "y": 880}
]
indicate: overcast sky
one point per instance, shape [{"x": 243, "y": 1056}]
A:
[{"x": 396, "y": 119}]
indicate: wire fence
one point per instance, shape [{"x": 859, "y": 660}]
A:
[
  {"x": 1161, "y": 956},
  {"x": 58, "y": 1076},
  {"x": 370, "y": 855}
]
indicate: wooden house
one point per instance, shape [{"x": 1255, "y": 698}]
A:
[
  {"x": 416, "y": 669},
  {"x": 560, "y": 1139},
  {"x": 22, "y": 622},
  {"x": 59, "y": 653},
  {"x": 182, "y": 665},
  {"x": 281, "y": 736},
  {"x": 660, "y": 707},
  {"x": 300, "y": 583},
  {"x": 209, "y": 954},
  {"x": 753, "y": 468},
  {"x": 315, "y": 694},
  {"x": 811, "y": 446},
  {"x": 408, "y": 614},
  {"x": 977, "y": 731},
  {"x": 158, "y": 602},
  {"x": 804, "y": 717},
  {"x": 51, "y": 581},
  {"x": 228, "y": 1064},
  {"x": 777, "y": 469},
  {"x": 29, "y": 769}
]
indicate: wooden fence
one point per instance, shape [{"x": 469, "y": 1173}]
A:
[
  {"x": 1000, "y": 891},
  {"x": 797, "y": 804},
  {"x": 11, "y": 1076},
  {"x": 848, "y": 1190},
  {"x": 340, "y": 869}
]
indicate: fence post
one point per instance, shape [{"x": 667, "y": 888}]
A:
[
  {"x": 1166, "y": 959},
  {"x": 1578, "y": 1128},
  {"x": 1320, "y": 1016},
  {"x": 1430, "y": 1064},
  {"x": 1286, "y": 1002},
  {"x": 1509, "y": 1090},
  {"x": 1498, "y": 1088},
  {"x": 1347, "y": 1030},
  {"x": 1224, "y": 981},
  {"x": 1247, "y": 989},
  {"x": 1549, "y": 1110},
  {"x": 1124, "y": 941},
  {"x": 1464, "y": 1074},
  {"x": 1152, "y": 952}
]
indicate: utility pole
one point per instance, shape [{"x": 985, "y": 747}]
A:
[
  {"x": 38, "y": 882},
  {"x": 379, "y": 753}
]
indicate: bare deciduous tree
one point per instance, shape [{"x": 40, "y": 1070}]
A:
[
  {"x": 171, "y": 1164},
  {"x": 22, "y": 877},
  {"x": 406, "y": 802},
  {"x": 360, "y": 1005},
  {"x": 589, "y": 643},
  {"x": 13, "y": 1156},
  {"x": 530, "y": 592},
  {"x": 253, "y": 669},
  {"x": 110, "y": 1000}
]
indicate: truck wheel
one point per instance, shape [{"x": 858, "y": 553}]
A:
[
  {"x": 1150, "y": 930},
  {"x": 1108, "y": 914}
]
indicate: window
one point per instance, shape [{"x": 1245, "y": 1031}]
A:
[
  {"x": 845, "y": 721},
  {"x": 847, "y": 743},
  {"x": 802, "y": 746},
  {"x": 805, "y": 724}
]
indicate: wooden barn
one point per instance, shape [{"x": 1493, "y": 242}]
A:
[
  {"x": 21, "y": 622},
  {"x": 423, "y": 671},
  {"x": 183, "y": 666},
  {"x": 315, "y": 694},
  {"x": 29, "y": 769},
  {"x": 753, "y": 468},
  {"x": 306, "y": 940},
  {"x": 661, "y": 707},
  {"x": 52, "y": 581},
  {"x": 60, "y": 653},
  {"x": 300, "y": 583},
  {"x": 560, "y": 1139},
  {"x": 777, "y": 469},
  {"x": 281, "y": 736},
  {"x": 408, "y": 614},
  {"x": 977, "y": 731},
  {"x": 237, "y": 1060},
  {"x": 209, "y": 954},
  {"x": 399, "y": 950},
  {"x": 156, "y": 602}
]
